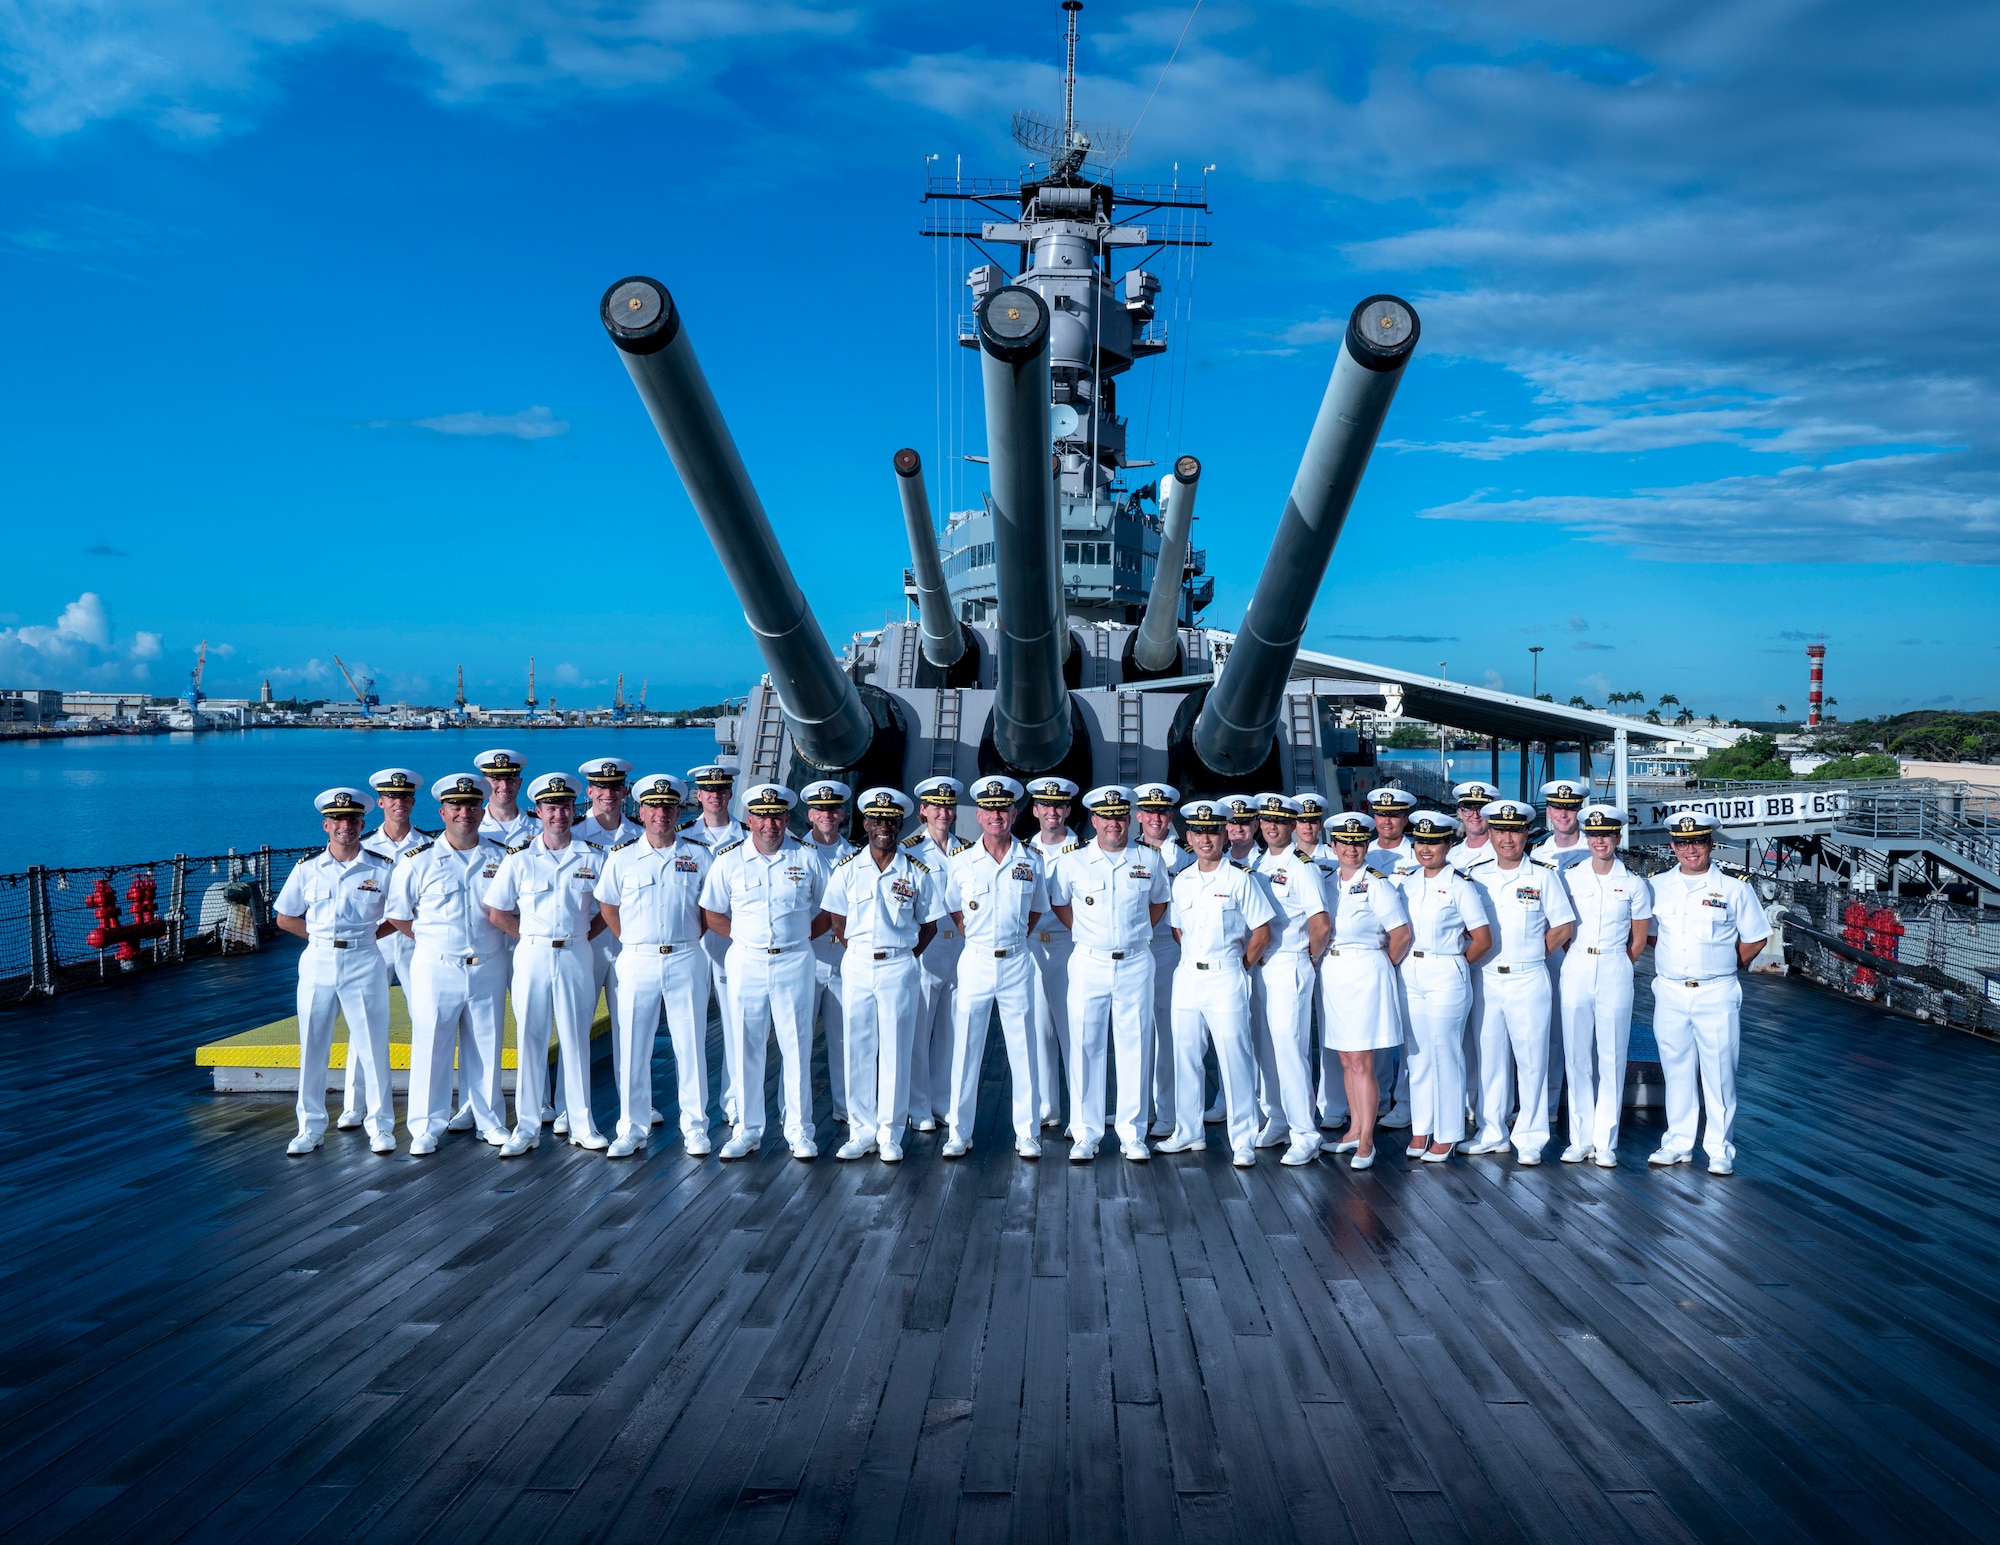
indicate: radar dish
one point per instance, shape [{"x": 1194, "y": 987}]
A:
[
  {"x": 1068, "y": 151},
  {"x": 1063, "y": 420}
]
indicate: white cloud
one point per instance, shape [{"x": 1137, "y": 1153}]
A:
[
  {"x": 1496, "y": 681},
  {"x": 76, "y": 650},
  {"x": 145, "y": 646},
  {"x": 528, "y": 424},
  {"x": 566, "y": 675}
]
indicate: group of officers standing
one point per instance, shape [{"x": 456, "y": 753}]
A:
[{"x": 1445, "y": 977}]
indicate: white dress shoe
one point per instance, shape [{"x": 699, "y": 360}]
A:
[
  {"x": 1576, "y": 1155},
  {"x": 1303, "y": 1151},
  {"x": 954, "y": 1148},
  {"x": 658, "y": 1119},
  {"x": 1528, "y": 1157},
  {"x": 804, "y": 1147},
  {"x": 421, "y": 1147},
  {"x": 856, "y": 1148},
  {"x": 1082, "y": 1153},
  {"x": 1192, "y": 1145},
  {"x": 1244, "y": 1157},
  {"x": 1607, "y": 1158},
  {"x": 302, "y": 1144},
  {"x": 562, "y": 1125},
  {"x": 1721, "y": 1167},
  {"x": 1028, "y": 1147},
  {"x": 1347, "y": 1145},
  {"x": 1138, "y": 1153},
  {"x": 1432, "y": 1156},
  {"x": 462, "y": 1122},
  {"x": 383, "y": 1144},
  {"x": 1268, "y": 1138},
  {"x": 497, "y": 1136},
  {"x": 624, "y": 1147},
  {"x": 1362, "y": 1161},
  {"x": 1661, "y": 1158},
  {"x": 1051, "y": 1119},
  {"x": 1397, "y": 1119},
  {"x": 696, "y": 1144},
  {"x": 928, "y": 1124},
  {"x": 519, "y": 1143},
  {"x": 1415, "y": 1150},
  {"x": 892, "y": 1153},
  {"x": 597, "y": 1142},
  {"x": 1490, "y": 1145},
  {"x": 350, "y": 1118},
  {"x": 740, "y": 1147}
]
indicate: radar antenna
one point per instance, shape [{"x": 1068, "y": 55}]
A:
[{"x": 1066, "y": 146}]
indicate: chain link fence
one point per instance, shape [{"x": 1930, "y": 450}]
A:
[{"x": 67, "y": 928}]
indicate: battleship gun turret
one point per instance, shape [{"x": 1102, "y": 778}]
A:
[
  {"x": 1156, "y": 648},
  {"x": 830, "y": 727},
  {"x": 950, "y": 648},
  {"x": 1234, "y": 731}
]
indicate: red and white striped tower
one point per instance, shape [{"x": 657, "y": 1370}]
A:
[{"x": 1816, "y": 692}]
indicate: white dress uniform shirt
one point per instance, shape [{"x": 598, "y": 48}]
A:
[
  {"x": 657, "y": 891},
  {"x": 883, "y": 908},
  {"x": 769, "y": 899},
  {"x": 1442, "y": 911},
  {"x": 1563, "y": 858},
  {"x": 1364, "y": 909},
  {"x": 1698, "y": 920},
  {"x": 523, "y": 826},
  {"x": 1463, "y": 855},
  {"x": 1607, "y": 905},
  {"x": 1049, "y": 852},
  {"x": 1298, "y": 890},
  {"x": 1526, "y": 902},
  {"x": 714, "y": 838},
  {"x": 1398, "y": 862},
  {"x": 1217, "y": 911},
  {"x": 554, "y": 890},
  {"x": 338, "y": 901},
  {"x": 590, "y": 829},
  {"x": 441, "y": 893},
  {"x": 1110, "y": 895},
  {"x": 996, "y": 898}
]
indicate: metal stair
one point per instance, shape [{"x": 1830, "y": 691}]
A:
[
  {"x": 1131, "y": 735},
  {"x": 906, "y": 657},
  {"x": 1302, "y": 730},
  {"x": 1960, "y": 830},
  {"x": 944, "y": 732},
  {"x": 769, "y": 742}
]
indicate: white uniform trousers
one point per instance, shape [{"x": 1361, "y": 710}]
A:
[
  {"x": 456, "y": 1009},
  {"x": 352, "y": 982},
  {"x": 1052, "y": 963},
  {"x": 1166, "y": 958},
  {"x": 604, "y": 951},
  {"x": 395, "y": 949},
  {"x": 1110, "y": 1009},
  {"x": 930, "y": 1039},
  {"x": 1282, "y": 991},
  {"x": 878, "y": 1001},
  {"x": 655, "y": 980},
  {"x": 717, "y": 949},
  {"x": 771, "y": 994},
  {"x": 987, "y": 980},
  {"x": 554, "y": 989},
  {"x": 1597, "y": 1029},
  {"x": 1437, "y": 990},
  {"x": 1699, "y": 1032},
  {"x": 1514, "y": 1055},
  {"x": 829, "y": 1000},
  {"x": 1212, "y": 1003}
]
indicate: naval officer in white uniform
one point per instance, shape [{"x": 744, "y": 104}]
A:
[
  {"x": 1155, "y": 805},
  {"x": 931, "y": 845},
  {"x": 1286, "y": 982},
  {"x": 1358, "y": 998},
  {"x": 334, "y": 901},
  {"x": 505, "y": 822},
  {"x": 1221, "y": 915},
  {"x": 1707, "y": 926},
  {"x": 1613, "y": 906},
  {"x": 457, "y": 987},
  {"x": 826, "y": 801},
  {"x": 395, "y": 795},
  {"x": 997, "y": 890},
  {"x": 1450, "y": 930},
  {"x": 1110, "y": 893},
  {"x": 1532, "y": 915},
  {"x": 715, "y": 828},
  {"x": 1564, "y": 847},
  {"x": 1473, "y": 797},
  {"x": 884, "y": 906},
  {"x": 545, "y": 897},
  {"x": 1392, "y": 854},
  {"x": 607, "y": 827},
  {"x": 650, "y": 895},
  {"x": 763, "y": 896},
  {"x": 1049, "y": 945}
]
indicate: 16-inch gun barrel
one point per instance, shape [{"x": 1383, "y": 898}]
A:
[
  {"x": 1031, "y": 711},
  {"x": 1158, "y": 644},
  {"x": 830, "y": 728},
  {"x": 1239, "y": 720},
  {"x": 944, "y": 640}
]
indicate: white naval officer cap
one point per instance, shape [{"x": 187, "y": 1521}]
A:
[
  {"x": 886, "y": 804},
  {"x": 500, "y": 763},
  {"x": 1566, "y": 793},
  {"x": 1510, "y": 815},
  {"x": 768, "y": 799},
  {"x": 1350, "y": 826},
  {"x": 1434, "y": 826},
  {"x": 1051, "y": 791},
  {"x": 605, "y": 772},
  {"x": 1474, "y": 794},
  {"x": 826, "y": 794},
  {"x": 1277, "y": 807},
  {"x": 1157, "y": 796},
  {"x": 996, "y": 792},
  {"x": 1602, "y": 820},
  {"x": 1113, "y": 801},
  {"x": 461, "y": 789},
  {"x": 340, "y": 801},
  {"x": 712, "y": 775},
  {"x": 660, "y": 789},
  {"x": 1388, "y": 801},
  {"x": 394, "y": 780},
  {"x": 1239, "y": 808},
  {"x": 940, "y": 791},
  {"x": 1203, "y": 815},
  {"x": 1312, "y": 807},
  {"x": 553, "y": 788}
]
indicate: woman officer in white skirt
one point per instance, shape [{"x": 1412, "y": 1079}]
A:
[
  {"x": 1450, "y": 930},
  {"x": 1357, "y": 975}
]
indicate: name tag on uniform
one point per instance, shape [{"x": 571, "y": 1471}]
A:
[{"x": 1024, "y": 872}]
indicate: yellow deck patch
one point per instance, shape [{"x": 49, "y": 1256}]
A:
[{"x": 276, "y": 1045}]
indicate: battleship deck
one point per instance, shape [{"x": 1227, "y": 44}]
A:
[{"x": 201, "y": 1336}]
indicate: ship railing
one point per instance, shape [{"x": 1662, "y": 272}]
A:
[
  {"x": 1949, "y": 816},
  {"x": 1157, "y": 195},
  {"x": 202, "y": 904}
]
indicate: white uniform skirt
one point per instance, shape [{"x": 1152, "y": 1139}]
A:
[{"x": 1358, "y": 1000}]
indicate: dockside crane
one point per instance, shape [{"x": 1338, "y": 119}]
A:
[
  {"x": 458, "y": 703},
  {"x": 363, "y": 690},
  {"x": 642, "y": 699},
  {"x": 195, "y": 696},
  {"x": 531, "y": 687},
  {"x": 618, "y": 701}
]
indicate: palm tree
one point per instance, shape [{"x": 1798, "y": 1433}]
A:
[{"x": 1578, "y": 702}]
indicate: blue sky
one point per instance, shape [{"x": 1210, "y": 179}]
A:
[{"x": 303, "y": 358}]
